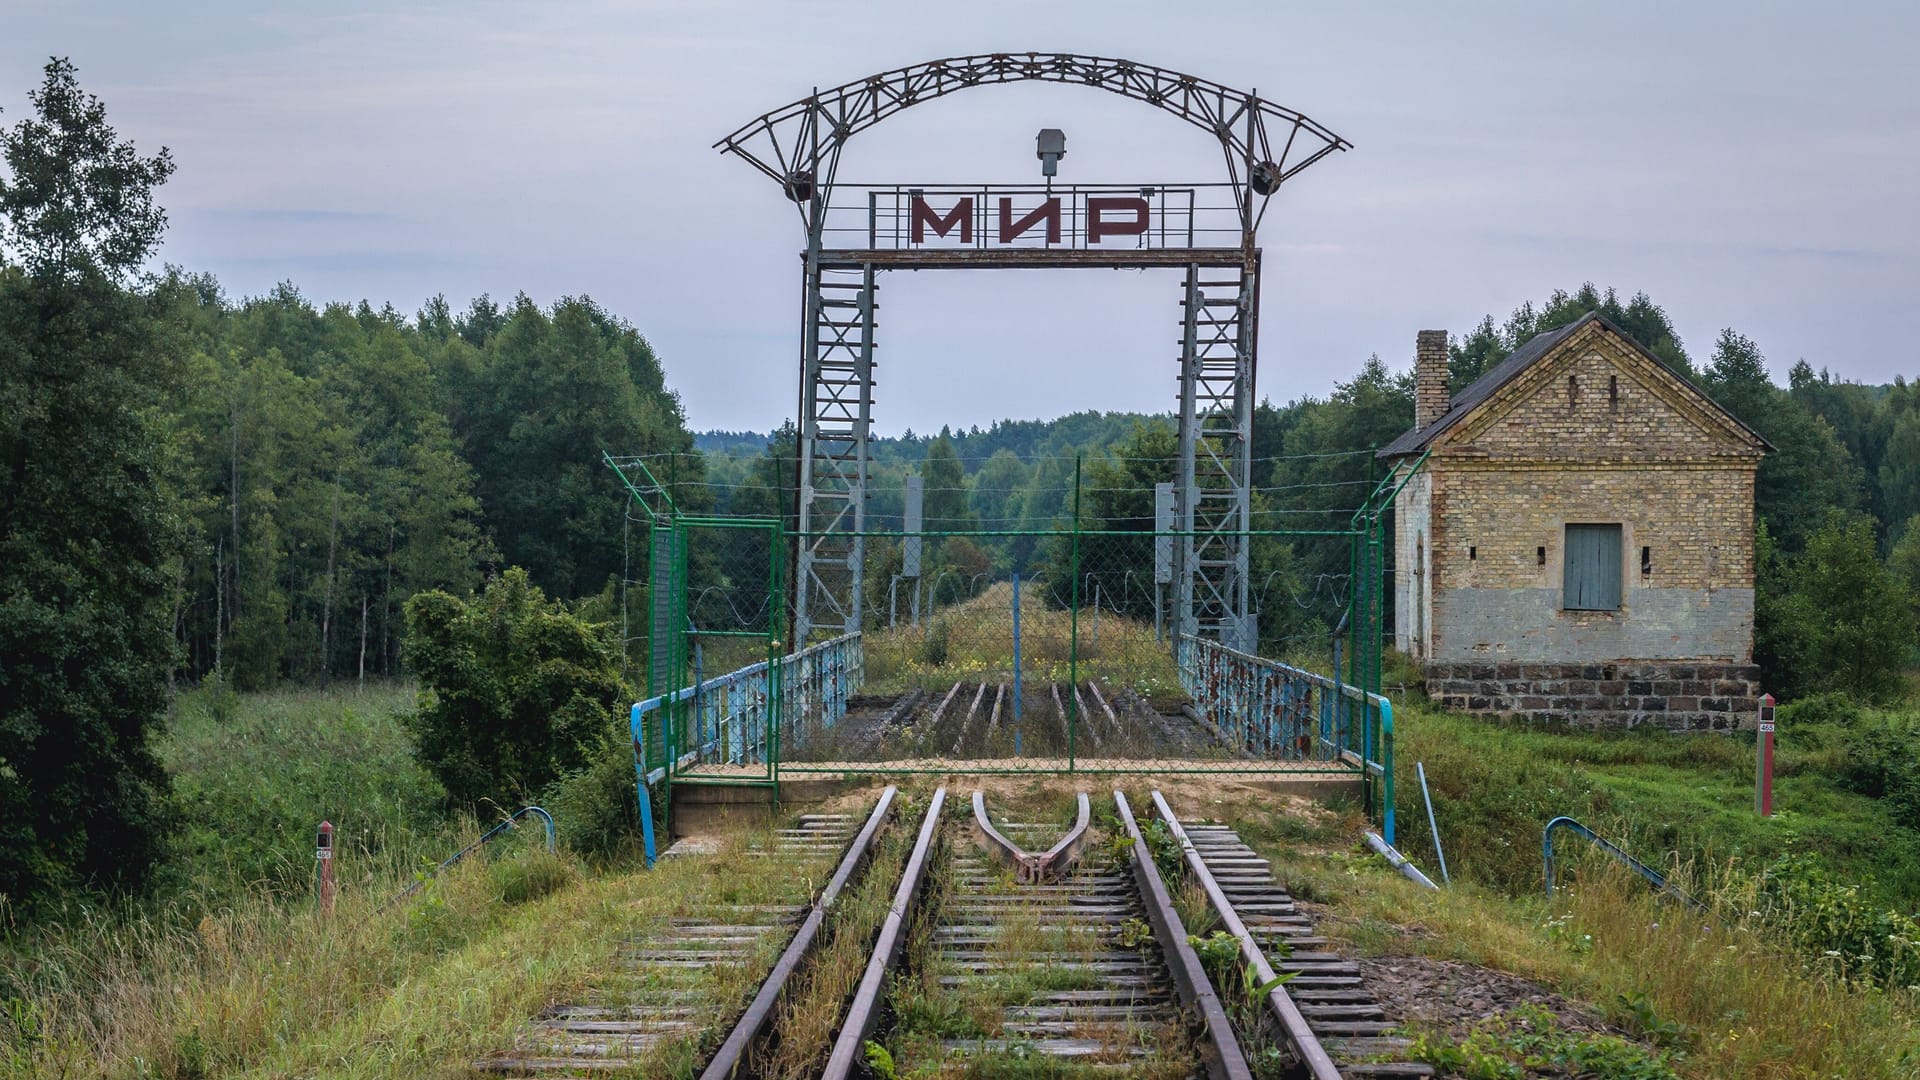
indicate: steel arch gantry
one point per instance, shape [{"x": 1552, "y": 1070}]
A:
[{"x": 799, "y": 145}]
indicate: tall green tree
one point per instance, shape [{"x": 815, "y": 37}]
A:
[
  {"x": 90, "y": 534},
  {"x": 996, "y": 486},
  {"x": 1833, "y": 617},
  {"x": 1904, "y": 562},
  {"x": 768, "y": 488},
  {"x": 945, "y": 507},
  {"x": 1898, "y": 474},
  {"x": 558, "y": 388},
  {"x": 1327, "y": 467},
  {"x": 1643, "y": 320},
  {"x": 1809, "y": 471}
]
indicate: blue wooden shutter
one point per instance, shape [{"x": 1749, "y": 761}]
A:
[{"x": 1591, "y": 578}]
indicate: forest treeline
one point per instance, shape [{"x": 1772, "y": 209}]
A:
[{"x": 340, "y": 459}]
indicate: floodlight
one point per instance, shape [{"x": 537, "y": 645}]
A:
[{"x": 1051, "y": 146}]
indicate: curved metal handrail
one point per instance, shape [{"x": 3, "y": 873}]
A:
[
  {"x": 1654, "y": 877},
  {"x": 485, "y": 838}
]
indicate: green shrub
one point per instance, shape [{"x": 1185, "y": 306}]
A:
[
  {"x": 254, "y": 774},
  {"x": 1872, "y": 752},
  {"x": 1839, "y": 925},
  {"x": 594, "y": 807},
  {"x": 1822, "y": 710},
  {"x": 1833, "y": 617},
  {"x": 1882, "y": 759},
  {"x": 1512, "y": 1046},
  {"x": 933, "y": 651},
  {"x": 515, "y": 691}
]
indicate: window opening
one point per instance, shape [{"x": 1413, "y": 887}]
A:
[
  {"x": 1472, "y": 553},
  {"x": 1646, "y": 560},
  {"x": 1592, "y": 568},
  {"x": 1613, "y": 391},
  {"x": 1573, "y": 391},
  {"x": 1540, "y": 555}
]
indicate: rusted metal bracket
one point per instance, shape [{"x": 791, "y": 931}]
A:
[{"x": 1031, "y": 869}]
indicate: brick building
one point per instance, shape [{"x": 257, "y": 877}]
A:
[{"x": 1578, "y": 544}]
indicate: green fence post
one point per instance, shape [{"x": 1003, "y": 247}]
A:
[
  {"x": 776, "y": 617},
  {"x": 1073, "y": 632}
]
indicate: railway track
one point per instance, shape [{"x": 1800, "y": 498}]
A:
[
  {"x": 1006, "y": 942},
  {"x": 1076, "y": 952},
  {"x": 1330, "y": 1021},
  {"x": 1072, "y": 952},
  {"x": 973, "y": 720},
  {"x": 676, "y": 985}
]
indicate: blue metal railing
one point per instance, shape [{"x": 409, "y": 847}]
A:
[
  {"x": 1273, "y": 711},
  {"x": 733, "y": 719},
  {"x": 1654, "y": 877},
  {"x": 485, "y": 838}
]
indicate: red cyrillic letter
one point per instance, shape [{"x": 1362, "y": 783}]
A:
[
  {"x": 1048, "y": 211},
  {"x": 1099, "y": 225},
  {"x": 961, "y": 215}
]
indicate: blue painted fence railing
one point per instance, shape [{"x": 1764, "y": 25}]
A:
[
  {"x": 1276, "y": 712},
  {"x": 732, "y": 719}
]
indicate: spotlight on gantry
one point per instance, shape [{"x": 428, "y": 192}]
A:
[{"x": 1050, "y": 146}]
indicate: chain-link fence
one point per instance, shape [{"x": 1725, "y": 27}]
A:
[
  {"x": 1076, "y": 658},
  {"x": 1055, "y": 650},
  {"x": 1099, "y": 642}
]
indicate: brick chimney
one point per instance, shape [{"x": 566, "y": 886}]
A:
[{"x": 1430, "y": 398}]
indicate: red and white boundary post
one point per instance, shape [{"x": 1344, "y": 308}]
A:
[
  {"x": 323, "y": 859},
  {"x": 1763, "y": 745}
]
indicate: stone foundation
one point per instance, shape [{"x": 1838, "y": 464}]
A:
[{"x": 1678, "y": 696}]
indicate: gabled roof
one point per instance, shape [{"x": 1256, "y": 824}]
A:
[{"x": 1537, "y": 347}]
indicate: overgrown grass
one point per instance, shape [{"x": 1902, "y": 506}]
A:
[
  {"x": 1512, "y": 1045},
  {"x": 150, "y": 994},
  {"x": 422, "y": 988},
  {"x": 254, "y": 775},
  {"x": 226, "y": 965},
  {"x": 1726, "y": 996},
  {"x": 1665, "y": 796},
  {"x": 827, "y": 982},
  {"x": 927, "y": 1012},
  {"x": 973, "y": 641}
]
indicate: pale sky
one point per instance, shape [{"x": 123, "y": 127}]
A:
[{"x": 1748, "y": 164}]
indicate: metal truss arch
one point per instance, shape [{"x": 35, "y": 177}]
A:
[{"x": 798, "y": 145}]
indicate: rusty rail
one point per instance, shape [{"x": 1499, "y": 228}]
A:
[
  {"x": 1293, "y": 1025},
  {"x": 1220, "y": 1050},
  {"x": 1029, "y": 869},
  {"x": 753, "y": 1023},
  {"x": 865, "y": 1010}
]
